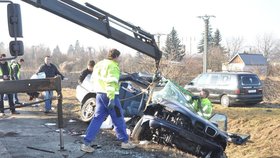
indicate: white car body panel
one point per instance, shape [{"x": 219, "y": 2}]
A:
[{"x": 83, "y": 89}]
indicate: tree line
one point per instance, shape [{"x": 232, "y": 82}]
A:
[{"x": 177, "y": 63}]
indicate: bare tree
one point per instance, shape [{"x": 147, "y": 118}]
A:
[
  {"x": 234, "y": 45},
  {"x": 275, "y": 54},
  {"x": 266, "y": 44},
  {"x": 216, "y": 57}
]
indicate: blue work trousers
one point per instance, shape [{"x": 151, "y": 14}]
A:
[
  {"x": 48, "y": 102},
  {"x": 101, "y": 112}
]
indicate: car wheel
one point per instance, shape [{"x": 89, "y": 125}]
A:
[
  {"x": 136, "y": 131},
  {"x": 87, "y": 110},
  {"x": 225, "y": 101},
  {"x": 141, "y": 132}
]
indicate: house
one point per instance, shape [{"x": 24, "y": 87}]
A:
[{"x": 255, "y": 63}]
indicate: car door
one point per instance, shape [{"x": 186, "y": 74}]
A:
[
  {"x": 197, "y": 84},
  {"x": 211, "y": 84}
]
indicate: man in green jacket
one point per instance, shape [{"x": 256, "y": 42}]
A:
[
  {"x": 105, "y": 78},
  {"x": 5, "y": 74},
  {"x": 203, "y": 105},
  {"x": 15, "y": 74}
]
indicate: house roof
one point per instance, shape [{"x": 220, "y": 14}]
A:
[{"x": 251, "y": 59}]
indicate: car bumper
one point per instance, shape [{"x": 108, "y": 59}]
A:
[{"x": 246, "y": 98}]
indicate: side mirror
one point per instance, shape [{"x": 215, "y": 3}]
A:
[
  {"x": 220, "y": 120},
  {"x": 14, "y": 20},
  {"x": 16, "y": 48}
]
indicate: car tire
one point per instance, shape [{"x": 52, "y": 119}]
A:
[
  {"x": 141, "y": 131},
  {"x": 136, "y": 131},
  {"x": 225, "y": 101},
  {"x": 87, "y": 110}
]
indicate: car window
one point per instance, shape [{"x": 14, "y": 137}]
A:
[
  {"x": 214, "y": 79},
  {"x": 204, "y": 79},
  {"x": 250, "y": 80},
  {"x": 224, "y": 79}
]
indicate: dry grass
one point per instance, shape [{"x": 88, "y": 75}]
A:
[{"x": 261, "y": 123}]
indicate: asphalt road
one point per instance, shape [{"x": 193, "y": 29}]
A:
[{"x": 35, "y": 134}]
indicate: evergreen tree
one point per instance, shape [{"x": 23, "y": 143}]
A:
[
  {"x": 217, "y": 38},
  {"x": 173, "y": 49},
  {"x": 56, "y": 51},
  {"x": 57, "y": 56},
  {"x": 209, "y": 38},
  {"x": 78, "y": 48},
  {"x": 71, "y": 50},
  {"x": 216, "y": 54}
]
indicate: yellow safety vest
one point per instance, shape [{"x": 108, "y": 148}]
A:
[
  {"x": 13, "y": 65},
  {"x": 205, "y": 109},
  {"x": 105, "y": 77}
]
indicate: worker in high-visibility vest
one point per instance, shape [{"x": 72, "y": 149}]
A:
[
  {"x": 203, "y": 105},
  {"x": 105, "y": 78},
  {"x": 5, "y": 74},
  {"x": 15, "y": 74}
]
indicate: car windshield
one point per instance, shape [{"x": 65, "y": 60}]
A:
[{"x": 174, "y": 93}]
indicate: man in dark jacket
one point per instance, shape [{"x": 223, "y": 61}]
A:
[
  {"x": 5, "y": 74},
  {"x": 51, "y": 71},
  {"x": 87, "y": 71}
]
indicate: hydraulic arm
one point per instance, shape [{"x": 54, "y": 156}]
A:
[{"x": 102, "y": 23}]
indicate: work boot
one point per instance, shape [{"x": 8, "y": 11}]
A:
[
  {"x": 15, "y": 112},
  {"x": 87, "y": 148},
  {"x": 49, "y": 112},
  {"x": 128, "y": 145}
]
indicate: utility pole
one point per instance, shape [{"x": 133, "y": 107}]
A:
[
  {"x": 158, "y": 38},
  {"x": 206, "y": 21}
]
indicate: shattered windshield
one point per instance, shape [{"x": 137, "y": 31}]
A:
[{"x": 174, "y": 93}]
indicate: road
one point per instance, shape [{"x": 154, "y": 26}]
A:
[{"x": 35, "y": 134}]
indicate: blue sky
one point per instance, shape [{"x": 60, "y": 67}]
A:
[{"x": 234, "y": 18}]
